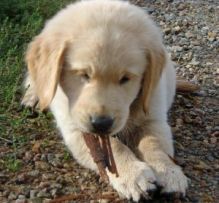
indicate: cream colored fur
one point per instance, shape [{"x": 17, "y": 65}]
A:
[{"x": 105, "y": 41}]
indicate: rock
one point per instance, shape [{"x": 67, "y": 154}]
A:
[
  {"x": 43, "y": 193},
  {"x": 21, "y": 201},
  {"x": 34, "y": 173},
  {"x": 179, "y": 122},
  {"x": 177, "y": 29},
  {"x": 56, "y": 185},
  {"x": 103, "y": 201},
  {"x": 22, "y": 178},
  {"x": 48, "y": 176},
  {"x": 213, "y": 140},
  {"x": 210, "y": 158},
  {"x": 194, "y": 62},
  {"x": 53, "y": 192},
  {"x": 37, "y": 157},
  {"x": 5, "y": 193},
  {"x": 44, "y": 184},
  {"x": 46, "y": 200},
  {"x": 21, "y": 197},
  {"x": 43, "y": 157},
  {"x": 169, "y": 17},
  {"x": 33, "y": 193},
  {"x": 12, "y": 196},
  {"x": 37, "y": 200},
  {"x": 50, "y": 157},
  {"x": 28, "y": 156},
  {"x": 41, "y": 165},
  {"x": 176, "y": 48},
  {"x": 189, "y": 34},
  {"x": 167, "y": 31},
  {"x": 212, "y": 36},
  {"x": 187, "y": 119}
]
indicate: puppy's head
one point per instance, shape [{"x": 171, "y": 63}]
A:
[{"x": 102, "y": 70}]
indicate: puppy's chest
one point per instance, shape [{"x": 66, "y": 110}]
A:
[{"x": 131, "y": 134}]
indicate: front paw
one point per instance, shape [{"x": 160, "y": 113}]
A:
[
  {"x": 171, "y": 178},
  {"x": 135, "y": 179},
  {"x": 29, "y": 100}
]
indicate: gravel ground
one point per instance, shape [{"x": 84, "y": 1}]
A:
[{"x": 190, "y": 31}]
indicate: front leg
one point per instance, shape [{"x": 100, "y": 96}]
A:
[
  {"x": 30, "y": 98},
  {"x": 156, "y": 148},
  {"x": 136, "y": 178}
]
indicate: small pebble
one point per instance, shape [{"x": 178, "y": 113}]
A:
[
  {"x": 33, "y": 193},
  {"x": 12, "y": 196}
]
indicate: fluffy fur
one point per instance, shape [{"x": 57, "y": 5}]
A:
[{"x": 105, "y": 57}]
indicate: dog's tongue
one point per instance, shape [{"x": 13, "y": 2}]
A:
[{"x": 101, "y": 153}]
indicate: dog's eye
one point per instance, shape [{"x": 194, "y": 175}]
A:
[
  {"x": 85, "y": 77},
  {"x": 124, "y": 80}
]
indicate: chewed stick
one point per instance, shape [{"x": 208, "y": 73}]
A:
[
  {"x": 112, "y": 165},
  {"x": 186, "y": 86},
  {"x": 101, "y": 152}
]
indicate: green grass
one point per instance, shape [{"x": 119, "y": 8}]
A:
[
  {"x": 20, "y": 21},
  {"x": 12, "y": 163}
]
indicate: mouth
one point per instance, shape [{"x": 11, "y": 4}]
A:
[{"x": 101, "y": 133}]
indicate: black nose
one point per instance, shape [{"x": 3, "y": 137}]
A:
[{"x": 101, "y": 124}]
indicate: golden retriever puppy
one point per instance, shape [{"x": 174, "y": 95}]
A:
[{"x": 101, "y": 67}]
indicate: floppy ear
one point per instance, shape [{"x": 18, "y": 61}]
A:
[
  {"x": 156, "y": 58},
  {"x": 44, "y": 59}
]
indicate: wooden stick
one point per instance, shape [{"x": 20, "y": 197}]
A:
[
  {"x": 93, "y": 143},
  {"x": 112, "y": 165},
  {"x": 101, "y": 152},
  {"x": 186, "y": 86}
]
